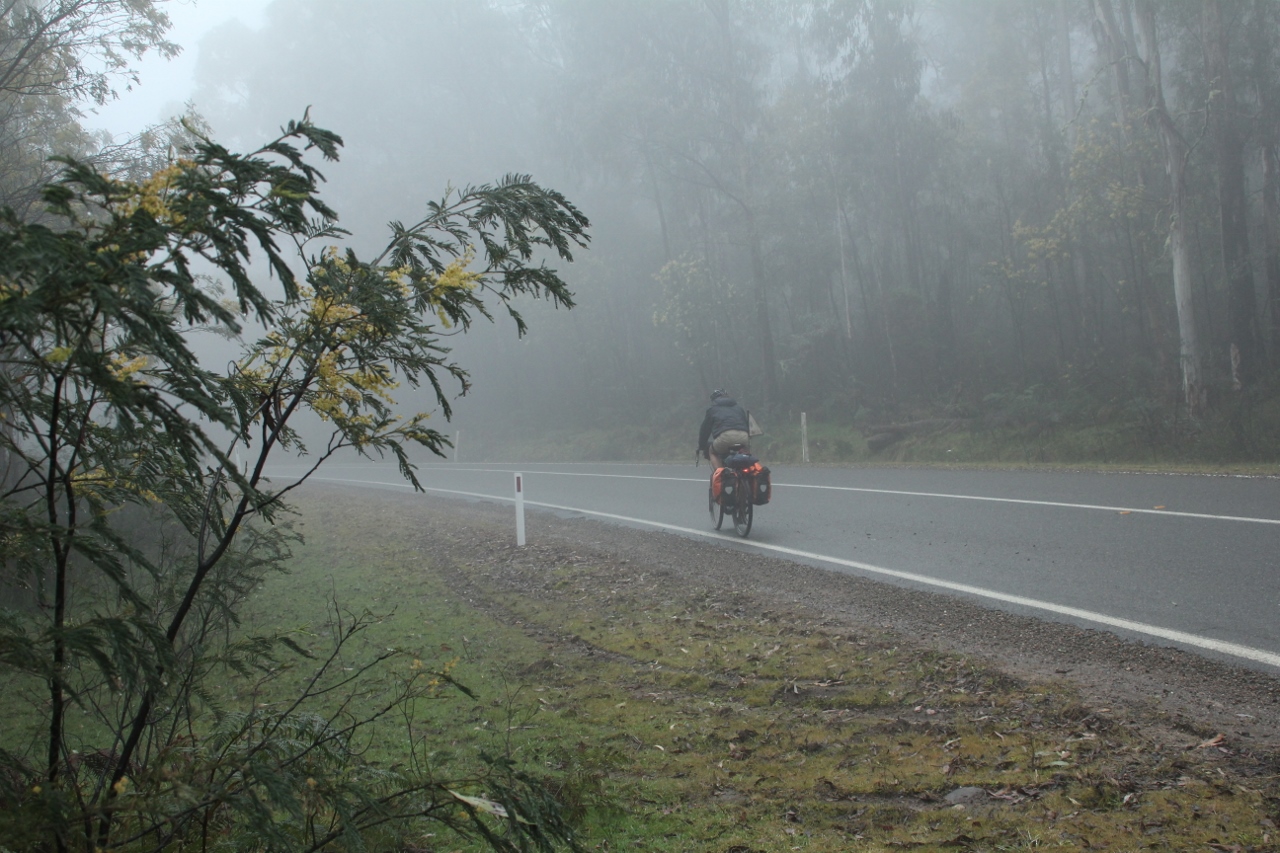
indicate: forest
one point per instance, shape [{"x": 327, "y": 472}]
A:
[
  {"x": 1030, "y": 216},
  {"x": 999, "y": 215},
  {"x": 1005, "y": 217}
]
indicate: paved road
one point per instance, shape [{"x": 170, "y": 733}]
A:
[{"x": 1186, "y": 560}]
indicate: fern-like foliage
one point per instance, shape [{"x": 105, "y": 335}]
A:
[{"x": 130, "y": 536}]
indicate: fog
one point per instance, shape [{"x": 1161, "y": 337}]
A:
[{"x": 870, "y": 211}]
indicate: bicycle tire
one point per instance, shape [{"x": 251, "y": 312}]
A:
[
  {"x": 717, "y": 511},
  {"x": 743, "y": 511}
]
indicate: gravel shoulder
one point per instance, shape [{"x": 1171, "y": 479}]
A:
[{"x": 1175, "y": 696}]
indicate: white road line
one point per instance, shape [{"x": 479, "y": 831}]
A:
[
  {"x": 1125, "y": 509},
  {"x": 1195, "y": 640},
  {"x": 1128, "y": 510}
]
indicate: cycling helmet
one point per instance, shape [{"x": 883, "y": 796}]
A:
[{"x": 717, "y": 394}]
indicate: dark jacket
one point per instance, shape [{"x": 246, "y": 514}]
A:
[{"x": 723, "y": 414}]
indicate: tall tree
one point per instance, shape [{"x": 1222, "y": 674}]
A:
[
  {"x": 1266, "y": 80},
  {"x": 1144, "y": 49},
  {"x": 1246, "y": 354}
]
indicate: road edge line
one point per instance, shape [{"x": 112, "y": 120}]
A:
[{"x": 1207, "y": 643}]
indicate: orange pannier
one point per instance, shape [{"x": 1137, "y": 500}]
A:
[
  {"x": 723, "y": 482},
  {"x": 761, "y": 483}
]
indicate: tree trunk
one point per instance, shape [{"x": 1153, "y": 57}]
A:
[
  {"x": 1271, "y": 239},
  {"x": 1242, "y": 308},
  {"x": 945, "y": 327},
  {"x": 1116, "y": 44},
  {"x": 1088, "y": 333},
  {"x": 1176, "y": 152},
  {"x": 844, "y": 274},
  {"x": 1115, "y": 47},
  {"x": 1269, "y": 132},
  {"x": 1066, "y": 76},
  {"x": 741, "y": 113},
  {"x": 764, "y": 329},
  {"x": 657, "y": 203}
]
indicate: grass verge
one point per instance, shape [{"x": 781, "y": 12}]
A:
[
  {"x": 669, "y": 717},
  {"x": 1102, "y": 446}
]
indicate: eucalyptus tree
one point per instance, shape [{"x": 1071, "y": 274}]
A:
[
  {"x": 1134, "y": 41},
  {"x": 1218, "y": 23},
  {"x": 1265, "y": 77}
]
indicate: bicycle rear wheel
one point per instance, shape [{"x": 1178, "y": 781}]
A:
[{"x": 743, "y": 510}]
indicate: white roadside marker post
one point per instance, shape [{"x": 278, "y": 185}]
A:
[
  {"x": 520, "y": 510},
  {"x": 804, "y": 437},
  {"x": 457, "y": 443}
]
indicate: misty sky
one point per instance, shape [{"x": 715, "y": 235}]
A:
[{"x": 164, "y": 85}]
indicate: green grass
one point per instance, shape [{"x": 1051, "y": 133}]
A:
[
  {"x": 347, "y": 570},
  {"x": 678, "y": 719}
]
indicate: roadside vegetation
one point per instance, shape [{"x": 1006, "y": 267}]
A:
[
  {"x": 1109, "y": 440},
  {"x": 136, "y": 521},
  {"x": 665, "y": 716}
]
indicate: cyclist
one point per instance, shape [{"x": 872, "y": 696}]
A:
[{"x": 725, "y": 425}]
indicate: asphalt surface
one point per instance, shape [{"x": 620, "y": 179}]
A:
[{"x": 1172, "y": 559}]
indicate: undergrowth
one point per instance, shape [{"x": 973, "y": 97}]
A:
[{"x": 1243, "y": 438}]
